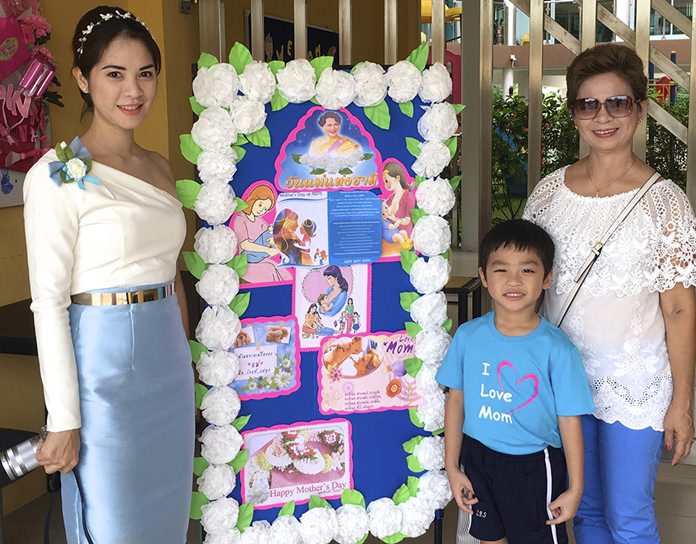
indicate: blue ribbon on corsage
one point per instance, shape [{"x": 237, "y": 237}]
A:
[{"x": 73, "y": 165}]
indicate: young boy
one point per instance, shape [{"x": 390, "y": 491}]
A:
[{"x": 517, "y": 389}]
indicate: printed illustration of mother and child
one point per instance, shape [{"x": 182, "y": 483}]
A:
[
  {"x": 334, "y": 301},
  {"x": 396, "y": 207}
]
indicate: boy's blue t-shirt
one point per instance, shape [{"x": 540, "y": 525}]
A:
[{"x": 515, "y": 387}]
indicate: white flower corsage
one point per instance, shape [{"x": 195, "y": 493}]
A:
[{"x": 73, "y": 164}]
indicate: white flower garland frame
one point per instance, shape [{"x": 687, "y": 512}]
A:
[{"x": 218, "y": 88}]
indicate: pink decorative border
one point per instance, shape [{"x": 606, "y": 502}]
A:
[
  {"x": 302, "y": 123},
  {"x": 294, "y": 426},
  {"x": 284, "y": 392}
]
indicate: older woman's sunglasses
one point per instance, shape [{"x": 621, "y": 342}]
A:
[{"x": 616, "y": 106}]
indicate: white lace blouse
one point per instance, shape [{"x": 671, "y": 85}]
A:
[{"x": 615, "y": 320}]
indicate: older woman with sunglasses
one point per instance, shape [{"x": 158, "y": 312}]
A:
[{"x": 634, "y": 317}]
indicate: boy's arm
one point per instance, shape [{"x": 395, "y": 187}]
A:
[
  {"x": 462, "y": 489},
  {"x": 566, "y": 504}
]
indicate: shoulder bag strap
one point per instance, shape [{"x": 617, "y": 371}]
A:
[{"x": 599, "y": 245}]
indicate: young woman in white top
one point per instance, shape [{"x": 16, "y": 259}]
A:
[
  {"x": 634, "y": 319},
  {"x": 103, "y": 235}
]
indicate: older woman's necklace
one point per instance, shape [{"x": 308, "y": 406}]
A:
[{"x": 606, "y": 187}]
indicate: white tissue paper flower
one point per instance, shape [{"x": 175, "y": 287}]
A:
[
  {"x": 431, "y": 235},
  {"x": 417, "y": 515},
  {"x": 76, "y": 168},
  {"x": 257, "y": 533},
  {"x": 220, "y": 445},
  {"x": 432, "y": 344},
  {"x": 433, "y": 158},
  {"x": 216, "y": 245},
  {"x": 385, "y": 517},
  {"x": 218, "y": 328},
  {"x": 431, "y": 453},
  {"x": 220, "y": 405},
  {"x": 214, "y": 130},
  {"x": 438, "y": 123},
  {"x": 257, "y": 82},
  {"x": 218, "y": 285},
  {"x": 220, "y": 516},
  {"x": 434, "y": 487},
  {"x": 228, "y": 537},
  {"x": 318, "y": 526},
  {"x": 285, "y": 530},
  {"x": 370, "y": 84},
  {"x": 218, "y": 368},
  {"x": 432, "y": 411},
  {"x": 404, "y": 81},
  {"x": 215, "y": 203},
  {"x": 335, "y": 89},
  {"x": 217, "y": 481},
  {"x": 435, "y": 196},
  {"x": 426, "y": 383},
  {"x": 431, "y": 276},
  {"x": 296, "y": 81},
  {"x": 216, "y": 86},
  {"x": 437, "y": 84},
  {"x": 430, "y": 310},
  {"x": 217, "y": 166},
  {"x": 248, "y": 115},
  {"x": 353, "y": 524}
]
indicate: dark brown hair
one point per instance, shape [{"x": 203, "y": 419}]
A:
[
  {"x": 103, "y": 32},
  {"x": 607, "y": 58},
  {"x": 329, "y": 115},
  {"x": 395, "y": 170}
]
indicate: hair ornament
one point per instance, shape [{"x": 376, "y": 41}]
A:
[{"x": 106, "y": 17}]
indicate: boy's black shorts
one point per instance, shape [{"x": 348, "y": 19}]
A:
[{"x": 514, "y": 492}]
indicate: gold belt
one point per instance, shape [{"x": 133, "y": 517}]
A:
[{"x": 128, "y": 297}]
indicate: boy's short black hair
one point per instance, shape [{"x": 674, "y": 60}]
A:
[{"x": 521, "y": 235}]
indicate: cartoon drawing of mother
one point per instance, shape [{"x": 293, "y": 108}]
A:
[
  {"x": 255, "y": 238},
  {"x": 402, "y": 199},
  {"x": 335, "y": 296}
]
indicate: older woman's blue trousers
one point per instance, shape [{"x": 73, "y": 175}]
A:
[{"x": 618, "y": 503}]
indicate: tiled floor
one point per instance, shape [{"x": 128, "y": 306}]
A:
[{"x": 676, "y": 512}]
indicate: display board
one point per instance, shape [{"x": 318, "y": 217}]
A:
[{"x": 322, "y": 261}]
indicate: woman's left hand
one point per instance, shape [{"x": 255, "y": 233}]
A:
[{"x": 679, "y": 432}]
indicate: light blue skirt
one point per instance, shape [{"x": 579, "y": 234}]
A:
[{"x": 133, "y": 481}]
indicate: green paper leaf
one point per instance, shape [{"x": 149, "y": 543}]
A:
[
  {"x": 367, "y": 156},
  {"x": 446, "y": 254},
  {"x": 61, "y": 154},
  {"x": 455, "y": 181},
  {"x": 447, "y": 325},
  {"x": 458, "y": 108},
  {"x": 419, "y": 180},
  {"x": 413, "y": 415},
  {"x": 241, "y": 422},
  {"x": 288, "y": 509},
  {"x": 206, "y": 60},
  {"x": 199, "y": 465},
  {"x": 407, "y": 298},
  {"x": 352, "y": 496},
  {"x": 320, "y": 64},
  {"x": 241, "y": 205},
  {"x": 245, "y": 516},
  {"x": 393, "y": 539},
  {"x": 276, "y": 65},
  {"x": 200, "y": 391},
  {"x": 296, "y": 157},
  {"x": 239, "y": 57},
  {"x": 379, "y": 115},
  {"x": 314, "y": 100},
  {"x": 198, "y": 499},
  {"x": 345, "y": 171},
  {"x": 439, "y": 431},
  {"x": 354, "y": 68},
  {"x": 417, "y": 214},
  {"x": 407, "y": 260},
  {"x": 419, "y": 56},
  {"x": 278, "y": 101},
  {"x": 189, "y": 149},
  {"x": 413, "y": 464},
  {"x": 413, "y": 366},
  {"x": 410, "y": 445},
  {"x": 238, "y": 462},
  {"x": 452, "y": 145},
  {"x": 195, "y": 264},
  {"x": 195, "y": 106},
  {"x": 402, "y": 495},
  {"x": 412, "y": 483},
  {"x": 412, "y": 329},
  {"x": 69, "y": 153},
  {"x": 239, "y": 265},
  {"x": 363, "y": 539},
  {"x": 315, "y": 501},
  {"x": 240, "y": 303},
  {"x": 406, "y": 108},
  {"x": 260, "y": 138},
  {"x": 413, "y": 146},
  {"x": 240, "y": 151},
  {"x": 197, "y": 349},
  {"x": 187, "y": 190},
  {"x": 317, "y": 171},
  {"x": 241, "y": 140}
]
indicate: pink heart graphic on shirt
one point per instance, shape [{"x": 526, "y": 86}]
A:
[{"x": 504, "y": 364}]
